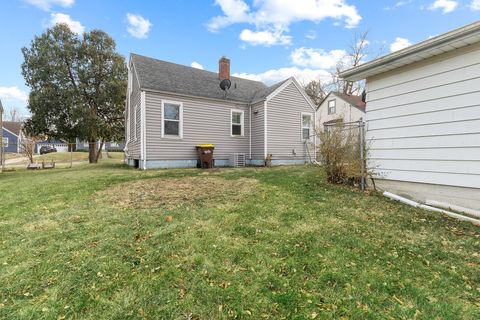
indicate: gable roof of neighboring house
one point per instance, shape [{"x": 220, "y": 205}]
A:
[
  {"x": 351, "y": 99},
  {"x": 443, "y": 43},
  {"x": 158, "y": 75},
  {"x": 13, "y": 127}
]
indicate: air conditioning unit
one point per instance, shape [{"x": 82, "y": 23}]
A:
[{"x": 237, "y": 160}]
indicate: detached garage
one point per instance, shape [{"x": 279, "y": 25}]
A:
[{"x": 423, "y": 118}]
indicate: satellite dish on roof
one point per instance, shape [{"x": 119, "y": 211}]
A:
[{"x": 225, "y": 84}]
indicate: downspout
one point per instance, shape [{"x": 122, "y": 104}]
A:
[
  {"x": 250, "y": 134},
  {"x": 314, "y": 136},
  {"x": 143, "y": 126},
  {"x": 265, "y": 129},
  {"x": 426, "y": 207}
]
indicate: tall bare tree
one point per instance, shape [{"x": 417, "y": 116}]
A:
[
  {"x": 316, "y": 90},
  {"x": 357, "y": 51}
]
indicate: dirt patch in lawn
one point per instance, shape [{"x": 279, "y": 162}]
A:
[{"x": 175, "y": 192}]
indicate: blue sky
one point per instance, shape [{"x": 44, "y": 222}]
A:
[{"x": 266, "y": 40}]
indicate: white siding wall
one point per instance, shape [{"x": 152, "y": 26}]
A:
[
  {"x": 423, "y": 121},
  {"x": 344, "y": 110}
]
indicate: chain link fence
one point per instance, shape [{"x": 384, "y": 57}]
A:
[
  {"x": 346, "y": 149},
  {"x": 49, "y": 155}
]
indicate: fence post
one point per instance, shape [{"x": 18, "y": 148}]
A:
[{"x": 362, "y": 160}]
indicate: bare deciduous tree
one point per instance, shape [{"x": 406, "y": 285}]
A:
[
  {"x": 317, "y": 91},
  {"x": 27, "y": 148},
  {"x": 356, "y": 53}
]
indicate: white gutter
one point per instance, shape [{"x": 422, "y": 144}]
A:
[
  {"x": 425, "y": 207},
  {"x": 449, "y": 41}
]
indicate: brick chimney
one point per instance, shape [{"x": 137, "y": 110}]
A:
[{"x": 224, "y": 68}]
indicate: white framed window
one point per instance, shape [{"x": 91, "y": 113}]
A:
[
  {"x": 237, "y": 123},
  {"x": 172, "y": 119},
  {"x": 307, "y": 124},
  {"x": 136, "y": 121},
  {"x": 332, "y": 106},
  {"x": 5, "y": 142}
]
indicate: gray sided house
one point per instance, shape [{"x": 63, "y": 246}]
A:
[{"x": 172, "y": 108}]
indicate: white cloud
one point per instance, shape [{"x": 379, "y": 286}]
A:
[
  {"x": 266, "y": 38},
  {"x": 316, "y": 58},
  {"x": 399, "y": 4},
  {"x": 196, "y": 65},
  {"x": 48, "y": 4},
  {"x": 138, "y": 26},
  {"x": 311, "y": 35},
  {"x": 276, "y": 75},
  {"x": 475, "y": 5},
  {"x": 271, "y": 16},
  {"x": 399, "y": 44},
  {"x": 445, "y": 5},
  {"x": 236, "y": 11},
  {"x": 13, "y": 93},
  {"x": 75, "y": 26}
]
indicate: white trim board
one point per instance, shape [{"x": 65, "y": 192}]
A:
[
  {"x": 10, "y": 132},
  {"x": 143, "y": 132}
]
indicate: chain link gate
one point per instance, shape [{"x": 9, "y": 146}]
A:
[{"x": 353, "y": 135}]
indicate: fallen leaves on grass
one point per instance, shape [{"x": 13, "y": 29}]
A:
[{"x": 173, "y": 192}]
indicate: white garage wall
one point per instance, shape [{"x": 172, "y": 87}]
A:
[{"x": 423, "y": 121}]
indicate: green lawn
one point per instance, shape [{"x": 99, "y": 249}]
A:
[{"x": 94, "y": 242}]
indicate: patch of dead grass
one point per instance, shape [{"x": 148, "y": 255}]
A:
[{"x": 175, "y": 192}]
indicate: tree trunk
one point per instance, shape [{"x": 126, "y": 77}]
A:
[
  {"x": 92, "y": 151},
  {"x": 99, "y": 152}
]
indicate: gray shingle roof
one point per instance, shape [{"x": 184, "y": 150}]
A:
[
  {"x": 165, "y": 76},
  {"x": 263, "y": 93}
]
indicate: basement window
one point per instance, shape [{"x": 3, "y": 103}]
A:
[
  {"x": 236, "y": 128},
  {"x": 172, "y": 115}
]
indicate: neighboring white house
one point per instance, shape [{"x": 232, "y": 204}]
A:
[
  {"x": 338, "y": 105},
  {"x": 423, "y": 118}
]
